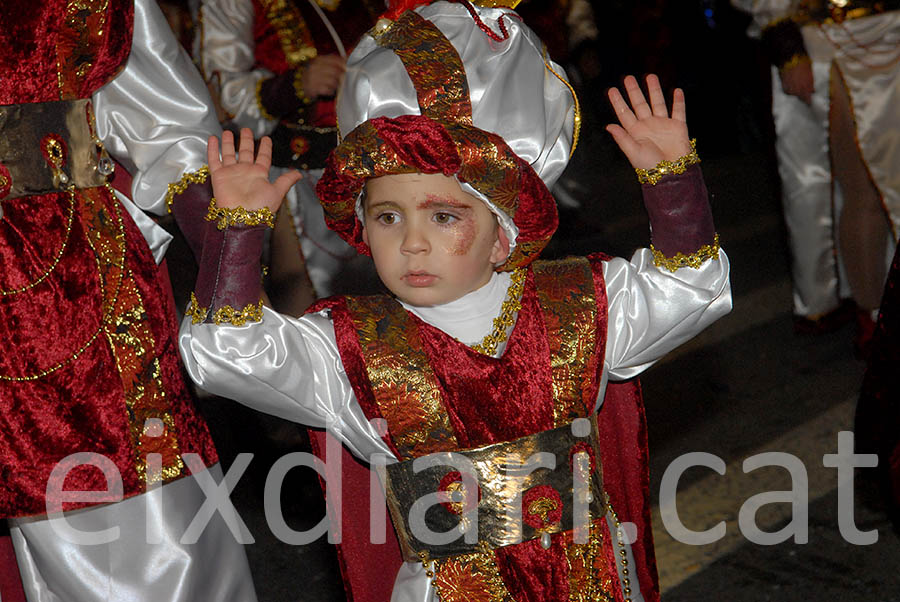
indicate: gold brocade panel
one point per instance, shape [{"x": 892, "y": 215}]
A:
[
  {"x": 403, "y": 382},
  {"x": 433, "y": 65},
  {"x": 127, "y": 329},
  {"x": 84, "y": 27},
  {"x": 566, "y": 294}
]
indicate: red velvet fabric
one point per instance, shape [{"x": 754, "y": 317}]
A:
[
  {"x": 491, "y": 400},
  {"x": 79, "y": 407},
  {"x": 10, "y": 582},
  {"x": 31, "y": 36}
]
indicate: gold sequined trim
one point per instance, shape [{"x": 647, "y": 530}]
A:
[
  {"x": 502, "y": 323},
  {"x": 665, "y": 168},
  {"x": 264, "y": 113},
  {"x": 195, "y": 311},
  {"x": 252, "y": 312},
  {"x": 189, "y": 177},
  {"x": 238, "y": 216},
  {"x": 694, "y": 260}
]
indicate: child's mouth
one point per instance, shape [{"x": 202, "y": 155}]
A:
[{"x": 419, "y": 279}]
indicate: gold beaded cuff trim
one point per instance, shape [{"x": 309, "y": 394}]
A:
[
  {"x": 238, "y": 216},
  {"x": 189, "y": 177},
  {"x": 665, "y": 168},
  {"x": 262, "y": 108},
  {"x": 694, "y": 260},
  {"x": 226, "y": 314}
]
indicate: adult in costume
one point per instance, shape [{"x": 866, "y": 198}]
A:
[
  {"x": 463, "y": 91},
  {"x": 277, "y": 65},
  {"x": 836, "y": 104},
  {"x": 90, "y": 363}
]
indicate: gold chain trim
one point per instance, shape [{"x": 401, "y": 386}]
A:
[
  {"x": 511, "y": 305},
  {"x": 188, "y": 178},
  {"x": 239, "y": 216},
  {"x": 252, "y": 312},
  {"x": 576, "y": 131},
  {"x": 694, "y": 260},
  {"x": 59, "y": 255},
  {"x": 665, "y": 168},
  {"x": 119, "y": 263}
]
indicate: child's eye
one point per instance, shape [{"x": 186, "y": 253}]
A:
[
  {"x": 388, "y": 218},
  {"x": 444, "y": 218}
]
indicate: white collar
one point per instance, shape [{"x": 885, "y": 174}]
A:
[{"x": 470, "y": 317}]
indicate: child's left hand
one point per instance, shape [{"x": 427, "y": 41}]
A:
[{"x": 647, "y": 134}]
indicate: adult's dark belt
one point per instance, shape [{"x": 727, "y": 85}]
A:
[
  {"x": 514, "y": 503},
  {"x": 50, "y": 147}
]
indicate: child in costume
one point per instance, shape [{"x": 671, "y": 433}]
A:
[{"x": 456, "y": 125}]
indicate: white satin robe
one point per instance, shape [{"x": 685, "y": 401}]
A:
[
  {"x": 226, "y": 50},
  {"x": 154, "y": 118},
  {"x": 872, "y": 78},
  {"x": 291, "y": 367}
]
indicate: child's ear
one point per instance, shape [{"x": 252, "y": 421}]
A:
[{"x": 500, "y": 250}]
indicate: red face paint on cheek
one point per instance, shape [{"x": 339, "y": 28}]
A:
[{"x": 465, "y": 237}]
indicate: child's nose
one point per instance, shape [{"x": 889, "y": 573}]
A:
[{"x": 415, "y": 241}]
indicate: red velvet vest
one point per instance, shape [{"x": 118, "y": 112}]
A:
[
  {"x": 90, "y": 358},
  {"x": 437, "y": 394}
]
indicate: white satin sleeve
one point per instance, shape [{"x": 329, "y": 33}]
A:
[
  {"x": 156, "y": 115},
  {"x": 228, "y": 58},
  {"x": 765, "y": 12},
  {"x": 287, "y": 367},
  {"x": 651, "y": 311}
]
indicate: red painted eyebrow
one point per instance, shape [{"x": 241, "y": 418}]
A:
[{"x": 432, "y": 201}]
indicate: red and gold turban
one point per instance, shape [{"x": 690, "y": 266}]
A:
[{"x": 441, "y": 139}]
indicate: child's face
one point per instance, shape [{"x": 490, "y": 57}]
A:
[{"x": 431, "y": 241}]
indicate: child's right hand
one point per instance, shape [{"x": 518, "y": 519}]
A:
[{"x": 244, "y": 181}]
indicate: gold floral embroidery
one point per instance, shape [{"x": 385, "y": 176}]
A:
[
  {"x": 566, "y": 293},
  {"x": 403, "y": 382},
  {"x": 83, "y": 27},
  {"x": 470, "y": 578},
  {"x": 591, "y": 578}
]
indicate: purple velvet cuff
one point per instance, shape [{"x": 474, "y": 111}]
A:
[
  {"x": 279, "y": 97},
  {"x": 680, "y": 217},
  {"x": 230, "y": 271},
  {"x": 783, "y": 41},
  {"x": 189, "y": 209}
]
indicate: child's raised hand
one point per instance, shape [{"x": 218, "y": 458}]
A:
[
  {"x": 244, "y": 180},
  {"x": 647, "y": 134}
]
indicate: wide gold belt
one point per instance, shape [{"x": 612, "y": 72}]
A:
[
  {"x": 50, "y": 147},
  {"x": 838, "y": 11},
  {"x": 432, "y": 499}
]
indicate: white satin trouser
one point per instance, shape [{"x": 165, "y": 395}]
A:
[{"x": 130, "y": 569}]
